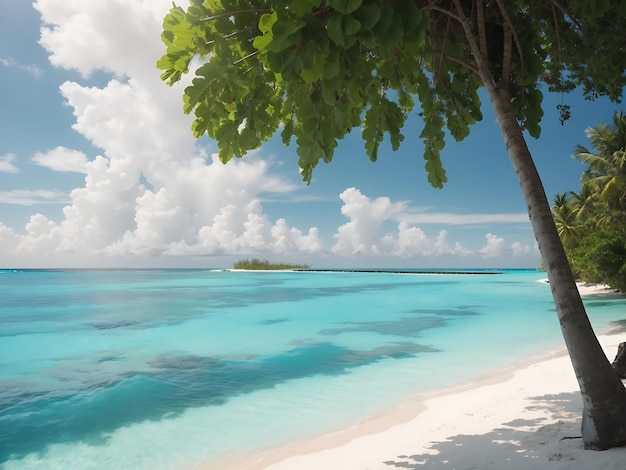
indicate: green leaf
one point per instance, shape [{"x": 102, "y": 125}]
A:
[
  {"x": 335, "y": 30},
  {"x": 382, "y": 26},
  {"x": 266, "y": 22},
  {"x": 315, "y": 71},
  {"x": 287, "y": 132},
  {"x": 262, "y": 42},
  {"x": 350, "y": 25},
  {"x": 395, "y": 32},
  {"x": 434, "y": 169},
  {"x": 300, "y": 7},
  {"x": 368, "y": 15},
  {"x": 344, "y": 6},
  {"x": 413, "y": 20},
  {"x": 331, "y": 65}
]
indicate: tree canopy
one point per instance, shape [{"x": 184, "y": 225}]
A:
[{"x": 317, "y": 69}]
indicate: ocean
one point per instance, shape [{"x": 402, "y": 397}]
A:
[{"x": 167, "y": 369}]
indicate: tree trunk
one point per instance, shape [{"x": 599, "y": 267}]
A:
[
  {"x": 603, "y": 394},
  {"x": 619, "y": 363}
]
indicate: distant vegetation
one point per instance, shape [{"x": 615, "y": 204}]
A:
[
  {"x": 262, "y": 264},
  {"x": 592, "y": 223}
]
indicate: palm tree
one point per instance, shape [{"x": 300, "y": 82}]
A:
[
  {"x": 584, "y": 203},
  {"x": 606, "y": 160},
  {"x": 567, "y": 220}
]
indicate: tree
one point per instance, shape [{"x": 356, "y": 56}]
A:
[
  {"x": 601, "y": 256},
  {"x": 574, "y": 215},
  {"x": 568, "y": 225},
  {"x": 592, "y": 224},
  {"x": 320, "y": 68},
  {"x": 606, "y": 174},
  {"x": 584, "y": 203}
]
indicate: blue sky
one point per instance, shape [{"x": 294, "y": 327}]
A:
[{"x": 98, "y": 167}]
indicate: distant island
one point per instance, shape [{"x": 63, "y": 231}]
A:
[{"x": 263, "y": 265}]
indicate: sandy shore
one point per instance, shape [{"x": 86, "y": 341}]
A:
[{"x": 527, "y": 417}]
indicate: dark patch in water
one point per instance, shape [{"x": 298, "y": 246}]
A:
[
  {"x": 394, "y": 350},
  {"x": 460, "y": 311},
  {"x": 31, "y": 422},
  {"x": 412, "y": 326},
  {"x": 274, "y": 321},
  {"x": 113, "y": 325}
]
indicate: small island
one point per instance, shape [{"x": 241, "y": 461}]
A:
[{"x": 256, "y": 264}]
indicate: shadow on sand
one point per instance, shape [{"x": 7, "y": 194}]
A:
[{"x": 521, "y": 443}]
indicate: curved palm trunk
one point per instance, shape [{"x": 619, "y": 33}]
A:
[{"x": 604, "y": 396}]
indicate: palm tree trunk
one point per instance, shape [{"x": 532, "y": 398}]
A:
[{"x": 604, "y": 395}]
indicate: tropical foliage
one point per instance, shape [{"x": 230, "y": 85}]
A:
[
  {"x": 319, "y": 69},
  {"x": 592, "y": 222},
  {"x": 265, "y": 265}
]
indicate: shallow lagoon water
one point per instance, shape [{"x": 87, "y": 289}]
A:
[{"x": 165, "y": 369}]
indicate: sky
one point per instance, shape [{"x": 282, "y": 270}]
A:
[{"x": 98, "y": 167}]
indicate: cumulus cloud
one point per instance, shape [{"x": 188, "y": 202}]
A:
[
  {"x": 362, "y": 234},
  {"x": 494, "y": 247},
  {"x": 412, "y": 241},
  {"x": 520, "y": 250},
  {"x": 115, "y": 35},
  {"x": 6, "y": 163},
  {"x": 151, "y": 189},
  {"x": 357, "y": 237}
]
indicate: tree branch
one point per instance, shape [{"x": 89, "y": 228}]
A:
[
  {"x": 443, "y": 46},
  {"x": 452, "y": 16},
  {"x": 252, "y": 54},
  {"x": 481, "y": 61},
  {"x": 507, "y": 53},
  {"x": 465, "y": 64},
  {"x": 509, "y": 23},
  {"x": 567, "y": 13},
  {"x": 482, "y": 35},
  {"x": 233, "y": 34},
  {"x": 444, "y": 11}
]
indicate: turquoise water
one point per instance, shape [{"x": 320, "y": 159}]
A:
[{"x": 165, "y": 369}]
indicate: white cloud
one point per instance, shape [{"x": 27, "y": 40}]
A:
[
  {"x": 6, "y": 163},
  {"x": 361, "y": 235},
  {"x": 116, "y": 36},
  {"x": 10, "y": 62},
  {"x": 62, "y": 159},
  {"x": 448, "y": 218},
  {"x": 520, "y": 249},
  {"x": 8, "y": 238},
  {"x": 494, "y": 247},
  {"x": 42, "y": 236},
  {"x": 24, "y": 197},
  {"x": 412, "y": 242},
  {"x": 358, "y": 236}
]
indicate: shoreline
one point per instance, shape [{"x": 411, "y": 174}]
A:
[
  {"x": 519, "y": 415},
  {"x": 586, "y": 289},
  {"x": 526, "y": 415}
]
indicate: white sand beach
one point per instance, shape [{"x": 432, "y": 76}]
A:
[{"x": 524, "y": 418}]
